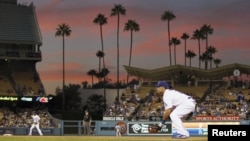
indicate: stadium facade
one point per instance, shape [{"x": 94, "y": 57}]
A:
[
  {"x": 20, "y": 43},
  {"x": 219, "y": 74}
]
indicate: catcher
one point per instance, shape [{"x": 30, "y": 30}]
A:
[{"x": 177, "y": 105}]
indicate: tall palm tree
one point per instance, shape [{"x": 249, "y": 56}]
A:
[
  {"x": 190, "y": 54},
  {"x": 92, "y": 73},
  {"x": 185, "y": 36},
  {"x": 118, "y": 11},
  {"x": 102, "y": 20},
  {"x": 175, "y": 41},
  {"x": 131, "y": 26},
  {"x": 197, "y": 35},
  {"x": 63, "y": 30},
  {"x": 168, "y": 16},
  {"x": 100, "y": 55},
  {"x": 206, "y": 29}
]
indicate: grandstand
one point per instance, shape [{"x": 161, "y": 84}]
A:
[
  {"x": 20, "y": 42},
  {"x": 20, "y": 83},
  {"x": 219, "y": 91}
]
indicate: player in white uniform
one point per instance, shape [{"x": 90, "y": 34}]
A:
[
  {"x": 177, "y": 105},
  {"x": 118, "y": 130},
  {"x": 35, "y": 124}
]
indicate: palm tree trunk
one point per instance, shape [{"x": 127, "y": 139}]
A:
[
  {"x": 185, "y": 59},
  {"x": 118, "y": 57},
  {"x": 199, "y": 53},
  {"x": 99, "y": 77},
  {"x": 174, "y": 54},
  {"x": 130, "y": 54},
  {"x": 104, "y": 77},
  {"x": 169, "y": 46},
  {"x": 63, "y": 84}
]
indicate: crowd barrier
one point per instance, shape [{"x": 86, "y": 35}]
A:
[{"x": 129, "y": 128}]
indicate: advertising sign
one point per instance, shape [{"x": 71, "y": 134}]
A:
[
  {"x": 141, "y": 128},
  {"x": 40, "y": 99}
]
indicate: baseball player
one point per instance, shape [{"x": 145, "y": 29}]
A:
[
  {"x": 177, "y": 105},
  {"x": 35, "y": 124},
  {"x": 118, "y": 130}
]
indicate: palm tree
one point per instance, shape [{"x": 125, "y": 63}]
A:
[
  {"x": 63, "y": 30},
  {"x": 205, "y": 56},
  {"x": 118, "y": 11},
  {"x": 92, "y": 73},
  {"x": 197, "y": 35},
  {"x": 101, "y": 20},
  {"x": 185, "y": 36},
  {"x": 104, "y": 72},
  {"x": 175, "y": 41},
  {"x": 217, "y": 62},
  {"x": 84, "y": 84},
  {"x": 131, "y": 26},
  {"x": 168, "y": 16},
  {"x": 190, "y": 54},
  {"x": 211, "y": 50},
  {"x": 100, "y": 55},
  {"x": 206, "y": 29}
]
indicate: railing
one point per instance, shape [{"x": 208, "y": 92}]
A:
[
  {"x": 73, "y": 127},
  {"x": 16, "y": 55}
]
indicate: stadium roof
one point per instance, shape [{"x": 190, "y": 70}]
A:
[
  {"x": 18, "y": 24},
  {"x": 166, "y": 73}
]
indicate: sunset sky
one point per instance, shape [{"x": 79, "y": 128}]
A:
[{"x": 229, "y": 19}]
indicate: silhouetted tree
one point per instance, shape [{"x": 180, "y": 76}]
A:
[
  {"x": 168, "y": 16},
  {"x": 131, "y": 26},
  {"x": 63, "y": 30},
  {"x": 190, "y": 54},
  {"x": 118, "y": 11},
  {"x": 185, "y": 36},
  {"x": 96, "y": 107}
]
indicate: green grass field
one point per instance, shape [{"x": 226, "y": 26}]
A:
[{"x": 96, "y": 138}]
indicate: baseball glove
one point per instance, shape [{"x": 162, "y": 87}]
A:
[{"x": 153, "y": 128}]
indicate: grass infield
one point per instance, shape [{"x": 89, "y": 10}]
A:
[{"x": 97, "y": 138}]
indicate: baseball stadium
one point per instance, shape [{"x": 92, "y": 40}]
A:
[{"x": 222, "y": 97}]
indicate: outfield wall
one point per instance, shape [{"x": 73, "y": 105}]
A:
[{"x": 129, "y": 128}]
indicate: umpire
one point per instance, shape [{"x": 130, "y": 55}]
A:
[{"x": 86, "y": 123}]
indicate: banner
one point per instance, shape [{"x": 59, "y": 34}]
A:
[
  {"x": 40, "y": 99},
  {"x": 217, "y": 118},
  {"x": 141, "y": 128}
]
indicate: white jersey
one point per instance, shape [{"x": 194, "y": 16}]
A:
[
  {"x": 174, "y": 98},
  {"x": 118, "y": 128},
  {"x": 35, "y": 124},
  {"x": 35, "y": 118}
]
